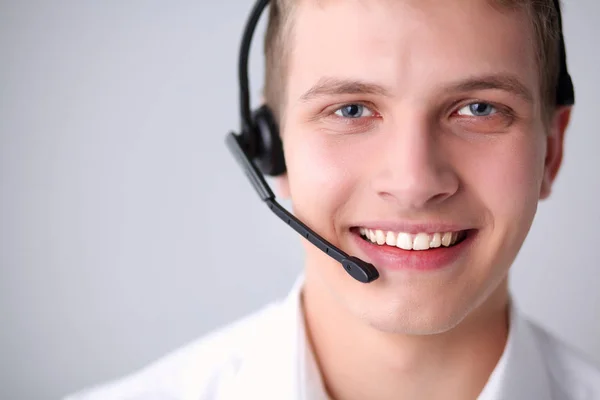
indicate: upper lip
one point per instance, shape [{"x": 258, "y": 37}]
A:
[{"x": 414, "y": 228}]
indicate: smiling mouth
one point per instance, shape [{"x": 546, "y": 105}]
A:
[{"x": 416, "y": 242}]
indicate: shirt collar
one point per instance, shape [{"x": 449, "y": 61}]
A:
[
  {"x": 521, "y": 372},
  {"x": 274, "y": 366}
]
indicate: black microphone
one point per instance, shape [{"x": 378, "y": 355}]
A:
[{"x": 358, "y": 269}]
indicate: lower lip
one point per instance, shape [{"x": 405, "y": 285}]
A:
[{"x": 396, "y": 259}]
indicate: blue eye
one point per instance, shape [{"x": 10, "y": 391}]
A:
[
  {"x": 353, "y": 111},
  {"x": 478, "y": 110}
]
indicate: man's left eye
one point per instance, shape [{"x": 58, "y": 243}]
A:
[
  {"x": 353, "y": 111},
  {"x": 478, "y": 110}
]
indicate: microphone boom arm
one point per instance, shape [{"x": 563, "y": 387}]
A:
[{"x": 358, "y": 269}]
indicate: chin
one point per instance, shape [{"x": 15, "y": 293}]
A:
[
  {"x": 414, "y": 321},
  {"x": 427, "y": 312},
  {"x": 412, "y": 317}
]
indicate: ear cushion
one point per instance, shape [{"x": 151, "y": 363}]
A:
[
  {"x": 565, "y": 92},
  {"x": 269, "y": 155}
]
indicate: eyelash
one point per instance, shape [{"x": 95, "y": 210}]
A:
[
  {"x": 500, "y": 110},
  {"x": 371, "y": 107}
]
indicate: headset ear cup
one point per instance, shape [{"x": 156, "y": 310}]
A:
[
  {"x": 269, "y": 152},
  {"x": 565, "y": 91}
]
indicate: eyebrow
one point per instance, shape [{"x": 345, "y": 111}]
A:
[
  {"x": 328, "y": 86},
  {"x": 506, "y": 82},
  {"x": 334, "y": 86}
]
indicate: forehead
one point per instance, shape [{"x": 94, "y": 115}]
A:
[{"x": 409, "y": 46}]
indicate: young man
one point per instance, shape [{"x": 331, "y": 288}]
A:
[{"x": 419, "y": 136}]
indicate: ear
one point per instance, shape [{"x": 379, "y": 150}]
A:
[
  {"x": 554, "y": 149},
  {"x": 283, "y": 186}
]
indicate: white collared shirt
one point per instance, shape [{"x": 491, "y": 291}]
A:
[{"x": 267, "y": 356}]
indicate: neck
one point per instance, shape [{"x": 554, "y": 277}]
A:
[{"x": 452, "y": 365}]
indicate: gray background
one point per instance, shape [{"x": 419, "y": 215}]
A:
[{"x": 126, "y": 230}]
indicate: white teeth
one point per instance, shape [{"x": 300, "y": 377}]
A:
[
  {"x": 405, "y": 241},
  {"x": 390, "y": 239},
  {"x": 421, "y": 242},
  {"x": 380, "y": 236},
  {"x": 372, "y": 236},
  {"x": 436, "y": 240},
  {"x": 447, "y": 239}
]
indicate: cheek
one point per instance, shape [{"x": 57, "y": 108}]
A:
[
  {"x": 506, "y": 177},
  {"x": 321, "y": 175}
]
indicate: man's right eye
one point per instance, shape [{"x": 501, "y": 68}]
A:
[{"x": 354, "y": 111}]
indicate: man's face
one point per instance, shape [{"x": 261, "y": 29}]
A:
[{"x": 414, "y": 117}]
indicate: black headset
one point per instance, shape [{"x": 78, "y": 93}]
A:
[{"x": 258, "y": 148}]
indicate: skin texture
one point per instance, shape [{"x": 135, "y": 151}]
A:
[{"x": 417, "y": 154}]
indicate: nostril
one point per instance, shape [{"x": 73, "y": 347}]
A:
[
  {"x": 438, "y": 198},
  {"x": 416, "y": 198}
]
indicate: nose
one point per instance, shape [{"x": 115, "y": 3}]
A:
[{"x": 413, "y": 168}]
